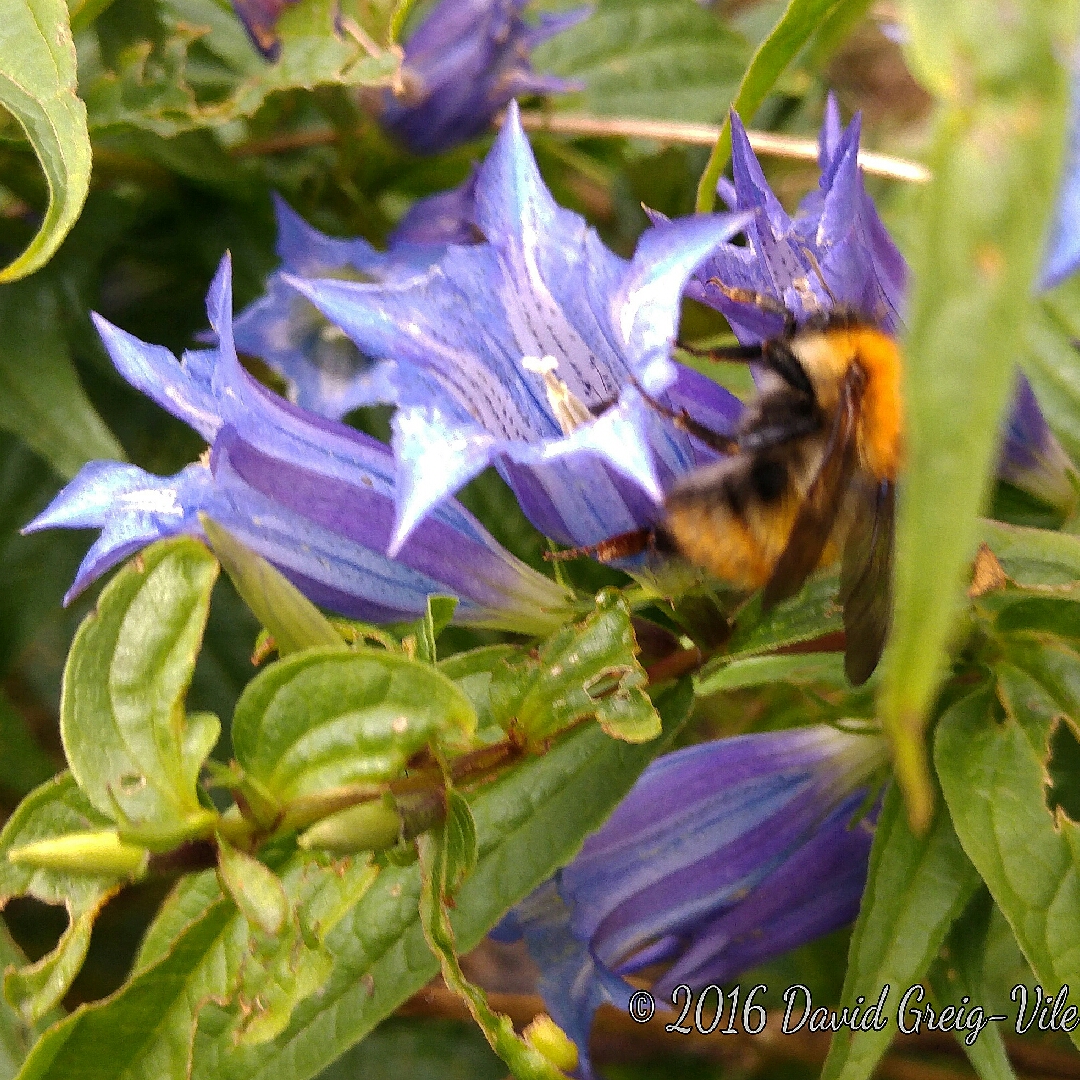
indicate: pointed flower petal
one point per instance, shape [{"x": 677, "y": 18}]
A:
[
  {"x": 1031, "y": 457},
  {"x": 313, "y": 496}
]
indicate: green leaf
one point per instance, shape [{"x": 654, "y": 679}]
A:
[
  {"x": 993, "y": 775},
  {"x": 805, "y": 617},
  {"x": 667, "y": 59},
  {"x": 420, "y": 1048},
  {"x": 476, "y": 672},
  {"x": 293, "y": 621},
  {"x": 529, "y": 821},
  {"x": 916, "y": 888},
  {"x": 201, "y": 70},
  {"x": 122, "y": 711},
  {"x": 37, "y": 86},
  {"x": 820, "y": 669},
  {"x": 976, "y": 251},
  {"x": 276, "y": 975},
  {"x": 586, "y": 669},
  {"x": 41, "y": 398},
  {"x": 800, "y": 21},
  {"x": 959, "y": 973},
  {"x": 322, "y": 719},
  {"x": 56, "y": 809},
  {"x": 459, "y": 837},
  {"x": 256, "y": 890},
  {"x": 16, "y": 1035},
  {"x": 1033, "y": 557}
]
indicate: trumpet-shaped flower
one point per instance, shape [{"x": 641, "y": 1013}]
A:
[
  {"x": 529, "y": 352},
  {"x": 722, "y": 856},
  {"x": 836, "y": 251},
  {"x": 463, "y": 66},
  {"x": 312, "y": 496},
  {"x": 320, "y": 364}
]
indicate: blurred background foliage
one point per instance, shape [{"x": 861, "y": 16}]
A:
[{"x": 191, "y": 131}]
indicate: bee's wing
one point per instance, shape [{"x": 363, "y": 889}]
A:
[
  {"x": 866, "y": 579},
  {"x": 818, "y": 513}
]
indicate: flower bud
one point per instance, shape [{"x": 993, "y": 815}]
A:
[
  {"x": 84, "y": 853},
  {"x": 547, "y": 1038}
]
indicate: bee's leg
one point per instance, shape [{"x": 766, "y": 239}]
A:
[
  {"x": 741, "y": 354},
  {"x": 617, "y": 547},
  {"x": 722, "y": 444},
  {"x": 759, "y": 300}
]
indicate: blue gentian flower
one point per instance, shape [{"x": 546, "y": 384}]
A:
[
  {"x": 318, "y": 361},
  {"x": 528, "y": 352},
  {"x": 463, "y": 65},
  {"x": 1032, "y": 459},
  {"x": 722, "y": 856},
  {"x": 835, "y": 251},
  {"x": 314, "y": 497},
  {"x": 320, "y": 364}
]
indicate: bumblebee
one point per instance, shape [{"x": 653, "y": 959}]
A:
[{"x": 809, "y": 476}]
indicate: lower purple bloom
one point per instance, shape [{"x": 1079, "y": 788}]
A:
[
  {"x": 722, "y": 856},
  {"x": 314, "y": 497}
]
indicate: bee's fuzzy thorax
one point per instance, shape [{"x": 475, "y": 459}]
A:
[{"x": 825, "y": 355}]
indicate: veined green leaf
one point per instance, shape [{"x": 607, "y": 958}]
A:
[
  {"x": 959, "y": 973},
  {"x": 205, "y": 73},
  {"x": 916, "y": 888},
  {"x": 37, "y": 85},
  {"x": 996, "y": 157},
  {"x": 587, "y": 669},
  {"x": 993, "y": 775},
  {"x": 58, "y": 808},
  {"x": 667, "y": 59},
  {"x": 324, "y": 718},
  {"x": 129, "y": 744}
]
